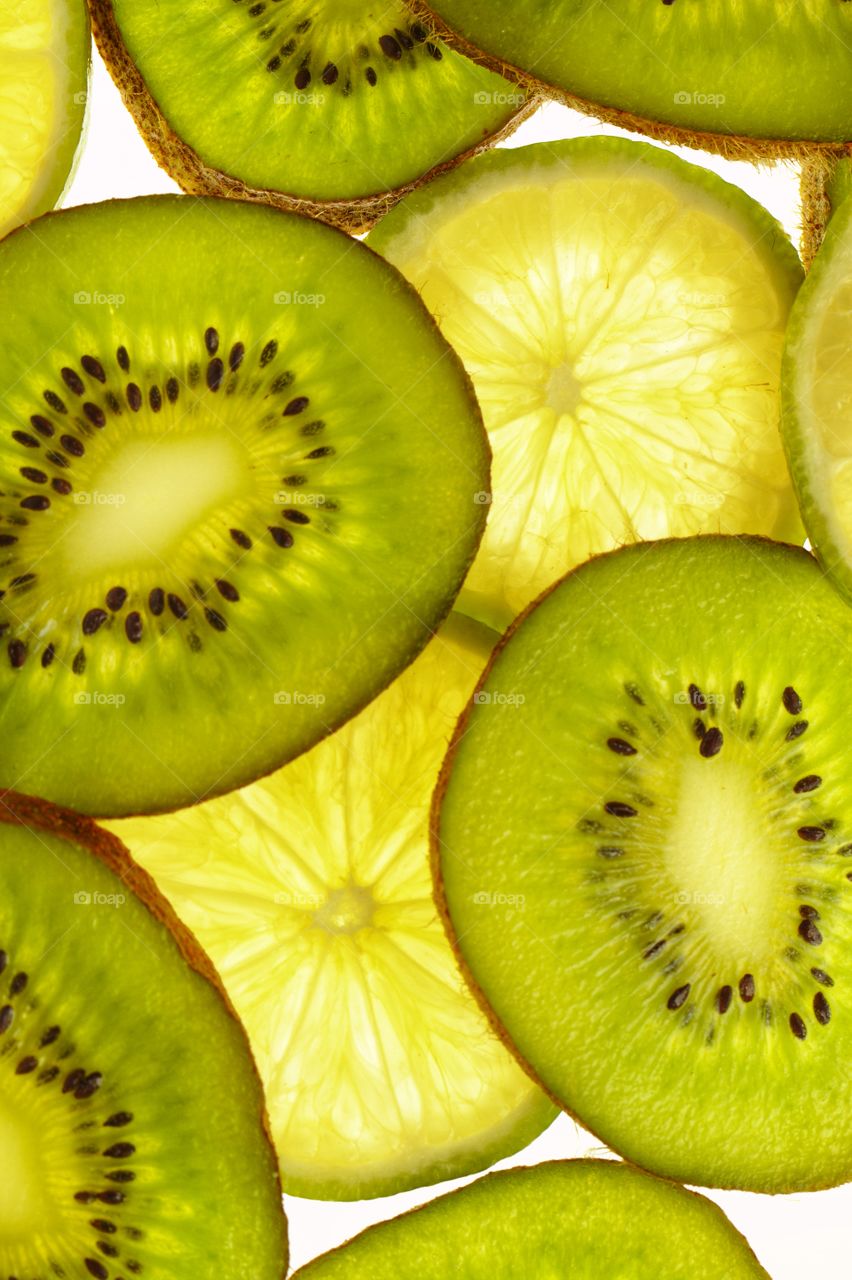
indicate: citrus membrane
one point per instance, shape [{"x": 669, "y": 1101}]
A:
[
  {"x": 622, "y": 314},
  {"x": 587, "y": 1219},
  {"x": 312, "y": 891},
  {"x": 652, "y": 784},
  {"x": 817, "y": 397},
  {"x": 44, "y": 68},
  {"x": 238, "y": 464},
  {"x": 132, "y": 1123}
]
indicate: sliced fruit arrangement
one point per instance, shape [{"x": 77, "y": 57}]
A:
[
  {"x": 817, "y": 397},
  {"x": 311, "y": 890},
  {"x": 649, "y": 786},
  {"x": 712, "y": 73},
  {"x": 334, "y": 108},
  {"x": 132, "y": 1123},
  {"x": 45, "y": 49},
  {"x": 238, "y": 465},
  {"x": 588, "y": 1219},
  {"x": 622, "y": 315}
]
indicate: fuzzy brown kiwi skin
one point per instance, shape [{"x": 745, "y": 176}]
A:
[
  {"x": 817, "y": 175},
  {"x": 196, "y": 178},
  {"x": 438, "y": 891},
  {"x": 40, "y": 817},
  {"x": 499, "y": 1174}
]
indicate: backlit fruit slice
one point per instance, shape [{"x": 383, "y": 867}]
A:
[
  {"x": 587, "y": 1219},
  {"x": 817, "y": 400},
  {"x": 132, "y": 1124},
  {"x": 650, "y": 790},
  {"x": 724, "y": 74},
  {"x": 238, "y": 465},
  {"x": 312, "y": 891},
  {"x": 622, "y": 316},
  {"x": 44, "y": 68},
  {"x": 328, "y": 106}
]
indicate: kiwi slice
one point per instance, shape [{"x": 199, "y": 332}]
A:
[
  {"x": 644, "y": 862},
  {"x": 311, "y": 890},
  {"x": 45, "y": 51},
  {"x": 587, "y": 1219},
  {"x": 132, "y": 1125},
  {"x": 622, "y": 315},
  {"x": 237, "y": 476},
  {"x": 752, "y": 80},
  {"x": 330, "y": 107},
  {"x": 817, "y": 397}
]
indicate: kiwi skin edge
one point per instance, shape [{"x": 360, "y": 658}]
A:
[
  {"x": 196, "y": 178},
  {"x": 37, "y": 815},
  {"x": 440, "y": 897}
]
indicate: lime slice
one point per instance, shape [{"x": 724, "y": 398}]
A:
[
  {"x": 817, "y": 398},
  {"x": 311, "y": 890},
  {"x": 44, "y": 68},
  {"x": 621, "y": 313}
]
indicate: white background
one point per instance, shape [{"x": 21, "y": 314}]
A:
[{"x": 798, "y": 1237}]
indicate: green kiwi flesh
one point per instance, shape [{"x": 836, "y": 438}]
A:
[
  {"x": 644, "y": 858},
  {"x": 732, "y": 75},
  {"x": 333, "y": 106},
  {"x": 237, "y": 478},
  {"x": 132, "y": 1124},
  {"x": 587, "y": 1219}
]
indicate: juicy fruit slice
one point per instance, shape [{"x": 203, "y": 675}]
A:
[
  {"x": 587, "y": 1219},
  {"x": 238, "y": 464},
  {"x": 622, "y": 316},
  {"x": 44, "y": 68},
  {"x": 817, "y": 399},
  {"x": 330, "y": 105},
  {"x": 676, "y": 973},
  {"x": 685, "y": 71},
  {"x": 312, "y": 891},
  {"x": 131, "y": 1116}
]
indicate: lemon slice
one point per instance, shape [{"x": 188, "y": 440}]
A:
[
  {"x": 621, "y": 314},
  {"x": 817, "y": 397},
  {"x": 311, "y": 891},
  {"x": 44, "y": 68}
]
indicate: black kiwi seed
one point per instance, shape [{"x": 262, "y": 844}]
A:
[
  {"x": 120, "y": 1151},
  {"x": 746, "y": 988},
  {"x": 177, "y": 606},
  {"x": 808, "y": 913},
  {"x": 50, "y": 1037},
  {"x": 811, "y": 834},
  {"x": 215, "y": 373},
  {"x": 798, "y": 1027},
  {"x": 155, "y": 399},
  {"x": 4, "y": 960},
  {"x": 123, "y": 358},
  {"x": 724, "y": 996},
  {"x": 302, "y": 78},
  {"x": 93, "y": 621},
  {"x": 299, "y": 405},
  {"x": 822, "y": 977},
  {"x": 696, "y": 697},
  {"x": 810, "y": 783},
  {"x": 42, "y": 425},
  {"x": 699, "y": 728},
  {"x": 119, "y": 1120},
  {"x": 157, "y": 601},
  {"x": 34, "y": 476},
  {"x": 17, "y": 653},
  {"x": 822, "y": 1009},
  {"x": 172, "y": 390},
  {"x": 296, "y": 517},
  {"x": 103, "y": 1225},
  {"x": 679, "y": 996},
  {"x": 73, "y": 1079},
  {"x": 711, "y": 743},
  {"x": 134, "y": 397},
  {"x": 78, "y": 666},
  {"x": 739, "y": 694},
  {"x": 96, "y": 1269},
  {"x": 226, "y": 590},
  {"x": 235, "y": 359},
  {"x": 797, "y": 730},
  {"x": 36, "y": 502},
  {"x": 809, "y": 933},
  {"x": 57, "y": 405},
  {"x": 269, "y": 352},
  {"x": 48, "y": 656},
  {"x": 241, "y": 539},
  {"x": 28, "y": 441},
  {"x": 115, "y": 598},
  {"x": 217, "y": 622},
  {"x": 610, "y": 851},
  {"x": 324, "y": 451},
  {"x": 618, "y": 809},
  {"x": 93, "y": 368},
  {"x": 73, "y": 381},
  {"x": 7, "y": 1017},
  {"x": 133, "y": 627},
  {"x": 371, "y": 77},
  {"x": 18, "y": 984},
  {"x": 95, "y": 414},
  {"x": 72, "y": 445},
  {"x": 620, "y": 747},
  {"x": 390, "y": 48},
  {"x": 654, "y": 949},
  {"x": 211, "y": 341},
  {"x": 282, "y": 537},
  {"x": 7, "y": 539},
  {"x": 792, "y": 701}
]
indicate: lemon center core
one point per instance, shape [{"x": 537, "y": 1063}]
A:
[
  {"x": 346, "y": 910},
  {"x": 563, "y": 392}
]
